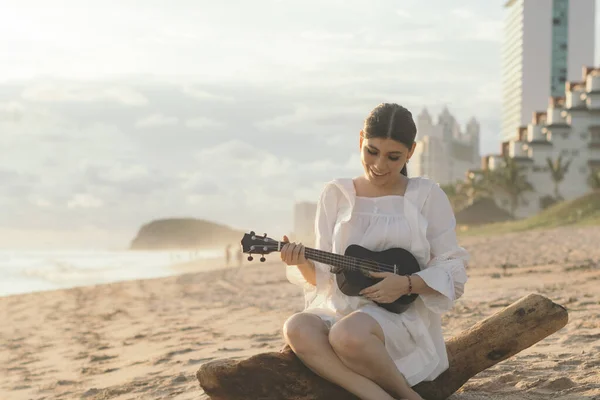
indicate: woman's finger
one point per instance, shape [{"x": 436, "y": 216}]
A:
[
  {"x": 302, "y": 254},
  {"x": 297, "y": 250},
  {"x": 285, "y": 252},
  {"x": 373, "y": 295},
  {"x": 371, "y": 289}
]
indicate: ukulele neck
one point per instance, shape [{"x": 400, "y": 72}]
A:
[{"x": 325, "y": 257}]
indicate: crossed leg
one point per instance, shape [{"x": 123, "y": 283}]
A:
[
  {"x": 307, "y": 335},
  {"x": 351, "y": 355},
  {"x": 359, "y": 342}
]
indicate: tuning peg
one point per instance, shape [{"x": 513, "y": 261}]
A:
[
  {"x": 263, "y": 259},
  {"x": 250, "y": 258},
  {"x": 265, "y": 235},
  {"x": 252, "y": 233}
]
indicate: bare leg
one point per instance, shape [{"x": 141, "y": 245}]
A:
[
  {"x": 359, "y": 342},
  {"x": 307, "y": 335}
]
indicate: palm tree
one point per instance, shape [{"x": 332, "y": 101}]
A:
[
  {"x": 511, "y": 180},
  {"x": 456, "y": 197},
  {"x": 558, "y": 170},
  {"x": 476, "y": 186},
  {"x": 594, "y": 179}
]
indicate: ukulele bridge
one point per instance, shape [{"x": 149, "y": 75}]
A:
[{"x": 395, "y": 269}]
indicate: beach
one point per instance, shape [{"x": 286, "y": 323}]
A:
[{"x": 145, "y": 339}]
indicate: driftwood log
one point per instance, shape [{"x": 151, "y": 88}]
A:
[{"x": 281, "y": 375}]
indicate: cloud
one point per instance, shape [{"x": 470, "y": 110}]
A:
[
  {"x": 156, "y": 120},
  {"x": 327, "y": 36},
  {"x": 477, "y": 27},
  {"x": 236, "y": 158},
  {"x": 11, "y": 111},
  {"x": 78, "y": 92},
  {"x": 202, "y": 94},
  {"x": 463, "y": 13},
  {"x": 306, "y": 120},
  {"x": 40, "y": 202},
  {"x": 85, "y": 200},
  {"x": 203, "y": 123},
  {"x": 15, "y": 184}
]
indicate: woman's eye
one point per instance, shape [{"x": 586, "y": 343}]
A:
[
  {"x": 374, "y": 153},
  {"x": 394, "y": 158}
]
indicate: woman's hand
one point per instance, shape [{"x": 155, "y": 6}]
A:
[
  {"x": 390, "y": 289},
  {"x": 292, "y": 253}
]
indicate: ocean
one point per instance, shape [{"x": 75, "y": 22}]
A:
[{"x": 33, "y": 271}]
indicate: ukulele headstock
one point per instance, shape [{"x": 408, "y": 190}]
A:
[{"x": 254, "y": 244}]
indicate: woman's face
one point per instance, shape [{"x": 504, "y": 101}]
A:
[{"x": 383, "y": 159}]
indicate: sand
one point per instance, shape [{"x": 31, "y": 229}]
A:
[{"x": 146, "y": 339}]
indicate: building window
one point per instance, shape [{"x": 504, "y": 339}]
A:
[{"x": 560, "y": 39}]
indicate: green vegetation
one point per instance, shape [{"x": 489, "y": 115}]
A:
[
  {"x": 558, "y": 170},
  {"x": 582, "y": 211}
]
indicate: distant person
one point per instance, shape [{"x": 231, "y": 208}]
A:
[
  {"x": 351, "y": 340},
  {"x": 240, "y": 257},
  {"x": 227, "y": 255}
]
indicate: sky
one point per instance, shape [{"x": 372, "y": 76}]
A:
[{"x": 117, "y": 112}]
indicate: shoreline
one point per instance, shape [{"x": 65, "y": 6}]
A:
[{"x": 176, "y": 267}]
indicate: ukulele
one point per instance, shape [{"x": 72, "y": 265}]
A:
[{"x": 351, "y": 269}]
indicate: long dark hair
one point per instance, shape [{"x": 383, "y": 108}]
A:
[{"x": 391, "y": 121}]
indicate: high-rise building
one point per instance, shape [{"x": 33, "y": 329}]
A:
[
  {"x": 444, "y": 153},
  {"x": 545, "y": 44}
]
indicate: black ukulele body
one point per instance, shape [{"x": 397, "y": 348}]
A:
[{"x": 352, "y": 280}]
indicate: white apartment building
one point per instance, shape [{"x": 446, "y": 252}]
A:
[
  {"x": 444, "y": 153},
  {"x": 569, "y": 127},
  {"x": 545, "y": 44}
]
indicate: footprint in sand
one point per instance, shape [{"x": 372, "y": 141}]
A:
[
  {"x": 265, "y": 337},
  {"x": 179, "y": 379},
  {"x": 167, "y": 357},
  {"x": 228, "y": 349},
  {"x": 90, "y": 371},
  {"x": 66, "y": 383},
  {"x": 81, "y": 355},
  {"x": 569, "y": 362},
  {"x": 558, "y": 384},
  {"x": 192, "y": 361},
  {"x": 102, "y": 357},
  {"x": 21, "y": 387}
]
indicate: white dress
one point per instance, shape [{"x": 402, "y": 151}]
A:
[{"x": 422, "y": 222}]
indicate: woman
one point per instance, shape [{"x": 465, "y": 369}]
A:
[{"x": 351, "y": 341}]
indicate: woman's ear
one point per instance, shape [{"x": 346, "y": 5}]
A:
[
  {"x": 412, "y": 150},
  {"x": 360, "y": 142}
]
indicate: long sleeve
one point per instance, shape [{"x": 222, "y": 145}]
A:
[
  {"x": 446, "y": 270},
  {"x": 325, "y": 220}
]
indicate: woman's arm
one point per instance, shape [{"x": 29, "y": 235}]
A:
[
  {"x": 442, "y": 281},
  {"x": 308, "y": 272},
  {"x": 420, "y": 287},
  {"x": 312, "y": 272}
]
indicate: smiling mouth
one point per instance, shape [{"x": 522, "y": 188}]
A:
[{"x": 377, "y": 174}]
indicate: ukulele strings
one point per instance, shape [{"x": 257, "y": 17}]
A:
[{"x": 368, "y": 265}]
